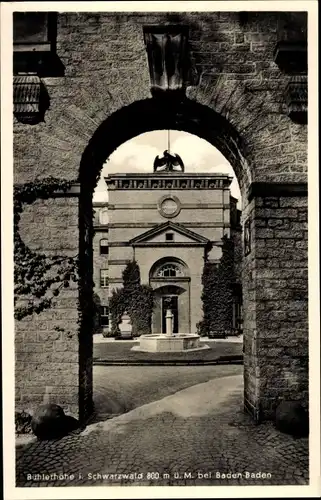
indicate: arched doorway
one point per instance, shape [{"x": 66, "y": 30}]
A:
[
  {"x": 170, "y": 280},
  {"x": 260, "y": 279}
]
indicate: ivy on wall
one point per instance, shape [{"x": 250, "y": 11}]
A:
[
  {"x": 136, "y": 299},
  {"x": 217, "y": 294},
  {"x": 97, "y": 327},
  {"x": 38, "y": 278}
]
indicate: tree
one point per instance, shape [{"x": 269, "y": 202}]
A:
[
  {"x": 117, "y": 307},
  {"x": 217, "y": 294}
]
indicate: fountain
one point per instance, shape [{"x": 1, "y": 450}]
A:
[{"x": 169, "y": 341}]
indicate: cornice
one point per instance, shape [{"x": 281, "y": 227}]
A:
[
  {"x": 141, "y": 239},
  {"x": 141, "y": 182}
]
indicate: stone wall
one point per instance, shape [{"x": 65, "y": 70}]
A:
[
  {"x": 276, "y": 304},
  {"x": 237, "y": 103},
  {"x": 47, "y": 344},
  {"x": 106, "y": 69}
]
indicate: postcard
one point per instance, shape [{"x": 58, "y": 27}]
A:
[{"x": 160, "y": 249}]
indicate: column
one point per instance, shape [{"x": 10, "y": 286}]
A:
[{"x": 275, "y": 281}]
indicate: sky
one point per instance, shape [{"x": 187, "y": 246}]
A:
[{"x": 138, "y": 154}]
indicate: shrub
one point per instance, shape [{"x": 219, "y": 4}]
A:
[
  {"x": 23, "y": 422},
  {"x": 106, "y": 332},
  {"x": 136, "y": 299},
  {"x": 96, "y": 314},
  {"x": 292, "y": 418},
  {"x": 50, "y": 422}
]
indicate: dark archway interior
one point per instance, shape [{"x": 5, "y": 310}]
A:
[{"x": 170, "y": 289}]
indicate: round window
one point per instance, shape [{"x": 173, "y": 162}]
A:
[{"x": 169, "y": 206}]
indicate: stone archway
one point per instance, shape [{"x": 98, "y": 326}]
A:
[
  {"x": 273, "y": 213},
  {"x": 274, "y": 270},
  {"x": 128, "y": 122},
  {"x": 164, "y": 113},
  {"x": 239, "y": 105}
]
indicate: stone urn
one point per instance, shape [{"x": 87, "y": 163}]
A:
[{"x": 125, "y": 327}]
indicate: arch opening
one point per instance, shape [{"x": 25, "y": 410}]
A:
[
  {"x": 127, "y": 123},
  {"x": 153, "y": 114}
]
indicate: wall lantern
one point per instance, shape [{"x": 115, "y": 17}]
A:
[
  {"x": 30, "y": 99},
  {"x": 290, "y": 55},
  {"x": 167, "y": 57},
  {"x": 296, "y": 97},
  {"x": 290, "y": 52}
]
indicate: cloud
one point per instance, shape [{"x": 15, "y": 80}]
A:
[
  {"x": 132, "y": 157},
  {"x": 197, "y": 154}
]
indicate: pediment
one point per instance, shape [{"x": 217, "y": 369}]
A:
[{"x": 180, "y": 235}]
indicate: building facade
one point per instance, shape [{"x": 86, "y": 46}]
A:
[{"x": 169, "y": 222}]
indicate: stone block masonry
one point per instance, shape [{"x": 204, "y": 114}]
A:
[
  {"x": 276, "y": 348},
  {"x": 106, "y": 69},
  {"x": 47, "y": 345},
  {"x": 235, "y": 100}
]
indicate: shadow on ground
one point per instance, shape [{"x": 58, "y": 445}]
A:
[{"x": 119, "y": 389}]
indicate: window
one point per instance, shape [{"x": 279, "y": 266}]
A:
[
  {"x": 169, "y": 236},
  {"x": 169, "y": 206},
  {"x": 104, "y": 316},
  {"x": 169, "y": 271},
  {"x": 32, "y": 27},
  {"x": 104, "y": 278},
  {"x": 103, "y": 247},
  {"x": 103, "y": 217},
  {"x": 34, "y": 44}
]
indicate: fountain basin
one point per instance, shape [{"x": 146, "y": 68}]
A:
[{"x": 169, "y": 343}]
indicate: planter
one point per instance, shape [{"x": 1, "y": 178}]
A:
[
  {"x": 219, "y": 334},
  {"x": 125, "y": 327}
]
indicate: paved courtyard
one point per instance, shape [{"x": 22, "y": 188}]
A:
[{"x": 182, "y": 426}]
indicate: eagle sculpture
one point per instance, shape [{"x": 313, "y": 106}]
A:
[{"x": 168, "y": 163}]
